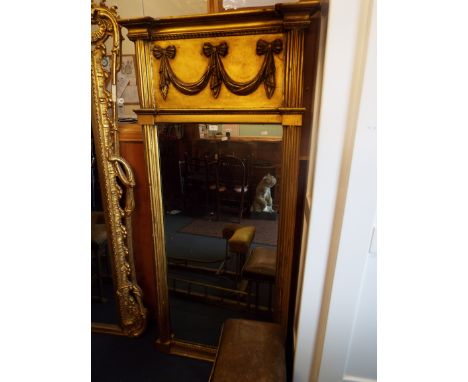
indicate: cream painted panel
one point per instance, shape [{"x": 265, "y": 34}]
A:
[
  {"x": 127, "y": 9},
  {"x": 164, "y": 8},
  {"x": 235, "y": 4}
]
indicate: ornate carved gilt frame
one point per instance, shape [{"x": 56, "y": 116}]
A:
[
  {"x": 116, "y": 176},
  {"x": 209, "y": 69}
]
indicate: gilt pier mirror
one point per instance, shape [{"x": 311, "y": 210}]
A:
[
  {"x": 218, "y": 88},
  {"x": 117, "y": 306}
]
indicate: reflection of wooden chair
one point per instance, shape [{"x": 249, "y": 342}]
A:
[
  {"x": 199, "y": 180},
  {"x": 193, "y": 172},
  {"x": 211, "y": 166},
  {"x": 232, "y": 184}
]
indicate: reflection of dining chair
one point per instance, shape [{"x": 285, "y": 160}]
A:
[
  {"x": 199, "y": 180},
  {"x": 193, "y": 180},
  {"x": 232, "y": 184},
  {"x": 192, "y": 173},
  {"x": 211, "y": 166}
]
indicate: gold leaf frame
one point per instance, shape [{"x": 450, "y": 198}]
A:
[
  {"x": 241, "y": 29},
  {"x": 116, "y": 176}
]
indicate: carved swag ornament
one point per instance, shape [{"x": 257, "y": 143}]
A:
[{"x": 216, "y": 74}]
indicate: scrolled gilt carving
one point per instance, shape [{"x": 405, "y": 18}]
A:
[
  {"x": 116, "y": 174},
  {"x": 216, "y": 73}
]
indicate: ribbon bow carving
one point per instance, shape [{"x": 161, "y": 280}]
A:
[
  {"x": 209, "y": 49},
  {"x": 214, "y": 53},
  {"x": 216, "y": 73},
  {"x": 264, "y": 47},
  {"x": 168, "y": 52},
  {"x": 269, "y": 69},
  {"x": 164, "y": 69}
]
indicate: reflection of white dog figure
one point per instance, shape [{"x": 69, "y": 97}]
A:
[{"x": 263, "y": 201}]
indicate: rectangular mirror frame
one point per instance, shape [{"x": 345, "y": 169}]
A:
[{"x": 153, "y": 39}]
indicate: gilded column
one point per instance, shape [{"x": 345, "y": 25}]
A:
[
  {"x": 290, "y": 167},
  {"x": 150, "y": 135}
]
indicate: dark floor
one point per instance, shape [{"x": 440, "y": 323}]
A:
[
  {"x": 122, "y": 359},
  {"x": 116, "y": 358}
]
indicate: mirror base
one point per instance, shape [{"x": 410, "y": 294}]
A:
[{"x": 187, "y": 349}]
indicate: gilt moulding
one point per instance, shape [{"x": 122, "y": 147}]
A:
[
  {"x": 116, "y": 176},
  {"x": 229, "y": 73}
]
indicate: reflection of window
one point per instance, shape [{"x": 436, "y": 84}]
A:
[{"x": 241, "y": 130}]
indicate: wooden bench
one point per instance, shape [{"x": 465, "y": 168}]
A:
[{"x": 249, "y": 351}]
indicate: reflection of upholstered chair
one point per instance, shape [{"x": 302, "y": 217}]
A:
[
  {"x": 232, "y": 184},
  {"x": 238, "y": 241}
]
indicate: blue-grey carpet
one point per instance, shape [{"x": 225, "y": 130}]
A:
[
  {"x": 266, "y": 232},
  {"x": 122, "y": 359}
]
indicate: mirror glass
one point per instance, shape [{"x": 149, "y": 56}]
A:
[
  {"x": 103, "y": 304},
  {"x": 220, "y": 186}
]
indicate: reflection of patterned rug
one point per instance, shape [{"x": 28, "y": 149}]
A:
[{"x": 266, "y": 230}]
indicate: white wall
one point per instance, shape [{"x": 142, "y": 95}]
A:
[
  {"x": 350, "y": 347},
  {"x": 342, "y": 210},
  {"x": 338, "y": 95},
  {"x": 236, "y": 4},
  {"x": 164, "y": 8},
  {"x": 127, "y": 9},
  {"x": 156, "y": 9}
]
